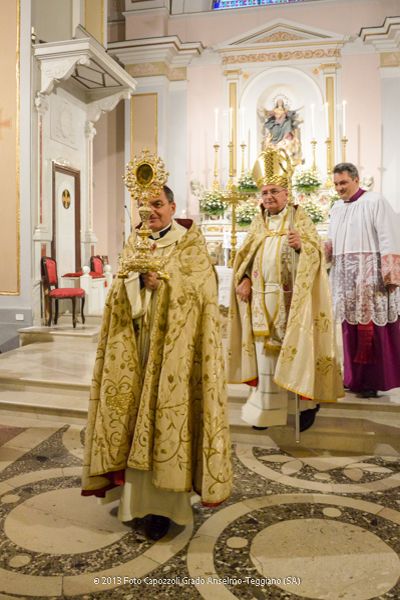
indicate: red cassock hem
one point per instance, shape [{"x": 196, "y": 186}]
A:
[
  {"x": 252, "y": 382},
  {"x": 116, "y": 479}
]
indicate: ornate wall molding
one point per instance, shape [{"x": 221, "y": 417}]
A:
[
  {"x": 281, "y": 56},
  {"x": 390, "y": 59},
  {"x": 96, "y": 108},
  {"x": 154, "y": 69},
  {"x": 280, "y": 36},
  {"x": 41, "y": 103},
  {"x": 57, "y": 70}
]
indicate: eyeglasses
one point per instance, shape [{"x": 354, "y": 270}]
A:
[{"x": 272, "y": 193}]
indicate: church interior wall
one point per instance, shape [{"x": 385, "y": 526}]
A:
[
  {"x": 346, "y": 16},
  {"x": 19, "y": 302},
  {"x": 147, "y": 25},
  {"x": 205, "y": 91},
  {"x": 108, "y": 187},
  {"x": 390, "y": 128},
  {"x": 52, "y": 19},
  {"x": 364, "y": 113},
  {"x": 177, "y": 144}
]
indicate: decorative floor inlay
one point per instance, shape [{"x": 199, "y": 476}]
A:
[{"x": 299, "y": 525}]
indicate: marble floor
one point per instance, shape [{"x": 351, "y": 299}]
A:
[
  {"x": 299, "y": 524},
  {"x": 303, "y": 521}
]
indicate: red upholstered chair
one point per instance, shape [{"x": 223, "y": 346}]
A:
[
  {"x": 96, "y": 265},
  {"x": 53, "y": 292}
]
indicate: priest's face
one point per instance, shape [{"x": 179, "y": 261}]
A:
[
  {"x": 345, "y": 186},
  {"x": 162, "y": 212},
  {"x": 274, "y": 198}
]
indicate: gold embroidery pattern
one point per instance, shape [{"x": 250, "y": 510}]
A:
[
  {"x": 322, "y": 322},
  {"x": 325, "y": 364},
  {"x": 172, "y": 419},
  {"x": 288, "y": 354}
]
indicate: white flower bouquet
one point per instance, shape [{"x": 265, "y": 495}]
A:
[
  {"x": 307, "y": 181},
  {"x": 246, "y": 212},
  {"x": 246, "y": 183},
  {"x": 211, "y": 203},
  {"x": 315, "y": 211}
]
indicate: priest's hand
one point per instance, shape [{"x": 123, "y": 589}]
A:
[
  {"x": 294, "y": 239},
  {"x": 243, "y": 290},
  {"x": 150, "y": 281}
]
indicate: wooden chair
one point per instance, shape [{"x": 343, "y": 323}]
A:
[
  {"x": 96, "y": 265},
  {"x": 53, "y": 292}
]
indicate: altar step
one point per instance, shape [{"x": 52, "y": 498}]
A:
[
  {"x": 370, "y": 426},
  {"x": 60, "y": 333},
  {"x": 347, "y": 428},
  {"x": 51, "y": 380}
]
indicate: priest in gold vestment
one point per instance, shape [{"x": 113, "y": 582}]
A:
[
  {"x": 281, "y": 330},
  {"x": 158, "y": 424}
]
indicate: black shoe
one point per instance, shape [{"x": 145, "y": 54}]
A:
[
  {"x": 259, "y": 428},
  {"x": 156, "y": 527},
  {"x": 368, "y": 394},
  {"x": 307, "y": 418}
]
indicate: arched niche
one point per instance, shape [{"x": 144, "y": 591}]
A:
[{"x": 302, "y": 91}]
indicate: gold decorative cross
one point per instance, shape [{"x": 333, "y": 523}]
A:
[{"x": 5, "y": 123}]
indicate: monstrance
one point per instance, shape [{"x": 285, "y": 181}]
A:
[{"x": 144, "y": 177}]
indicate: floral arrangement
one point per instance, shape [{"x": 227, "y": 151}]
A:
[
  {"x": 307, "y": 181},
  {"x": 246, "y": 212},
  {"x": 314, "y": 209},
  {"x": 246, "y": 183},
  {"x": 211, "y": 203}
]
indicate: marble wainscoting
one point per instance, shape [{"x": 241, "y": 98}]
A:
[{"x": 299, "y": 524}]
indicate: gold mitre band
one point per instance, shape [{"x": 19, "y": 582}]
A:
[{"x": 273, "y": 167}]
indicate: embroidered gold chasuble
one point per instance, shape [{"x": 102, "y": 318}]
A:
[
  {"x": 300, "y": 328},
  {"x": 170, "y": 416}
]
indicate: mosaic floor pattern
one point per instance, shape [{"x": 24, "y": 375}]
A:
[{"x": 300, "y": 524}]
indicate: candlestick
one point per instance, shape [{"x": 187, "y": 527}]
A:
[
  {"x": 344, "y": 118},
  {"x": 231, "y": 172},
  {"x": 313, "y": 150},
  {"x": 344, "y": 141},
  {"x": 216, "y": 175},
  {"x": 328, "y": 182},
  {"x": 216, "y": 129},
  {"x": 248, "y": 150},
  {"x": 234, "y": 197}
]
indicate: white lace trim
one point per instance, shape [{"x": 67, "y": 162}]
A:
[{"x": 359, "y": 294}]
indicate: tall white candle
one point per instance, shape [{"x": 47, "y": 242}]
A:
[
  {"x": 312, "y": 121},
  {"x": 216, "y": 128},
  {"x": 242, "y": 130},
  {"x": 344, "y": 117},
  {"x": 248, "y": 150},
  {"x": 326, "y": 108},
  {"x": 231, "y": 124}
]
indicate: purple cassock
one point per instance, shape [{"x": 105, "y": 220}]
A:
[{"x": 364, "y": 245}]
